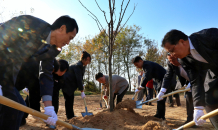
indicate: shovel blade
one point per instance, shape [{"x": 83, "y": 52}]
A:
[
  {"x": 138, "y": 104},
  {"x": 86, "y": 114}
]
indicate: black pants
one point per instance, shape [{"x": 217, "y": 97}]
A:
[
  {"x": 10, "y": 118},
  {"x": 34, "y": 98},
  {"x": 189, "y": 106},
  {"x": 69, "y": 101},
  {"x": 150, "y": 93},
  {"x": 55, "y": 97},
  {"x": 120, "y": 96},
  {"x": 211, "y": 99}
]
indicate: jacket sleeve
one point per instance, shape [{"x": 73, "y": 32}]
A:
[
  {"x": 147, "y": 72},
  {"x": 46, "y": 78},
  {"x": 197, "y": 86},
  {"x": 168, "y": 77},
  {"x": 79, "y": 77}
]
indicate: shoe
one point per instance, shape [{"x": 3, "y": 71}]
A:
[
  {"x": 171, "y": 105},
  {"x": 150, "y": 104},
  {"x": 23, "y": 122},
  {"x": 156, "y": 116}
]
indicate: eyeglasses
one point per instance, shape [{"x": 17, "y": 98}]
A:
[{"x": 172, "y": 51}]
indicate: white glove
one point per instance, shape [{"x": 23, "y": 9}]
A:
[
  {"x": 137, "y": 91},
  {"x": 83, "y": 95},
  {"x": 188, "y": 86},
  {"x": 161, "y": 93},
  {"x": 198, "y": 112},
  {"x": 26, "y": 91},
  {"x": 108, "y": 106},
  {"x": 50, "y": 112},
  {"x": 1, "y": 93}
]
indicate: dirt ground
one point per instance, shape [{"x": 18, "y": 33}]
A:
[{"x": 175, "y": 116}]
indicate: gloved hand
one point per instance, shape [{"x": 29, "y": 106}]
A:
[
  {"x": 198, "y": 112},
  {"x": 161, "y": 93},
  {"x": 108, "y": 106},
  {"x": 83, "y": 95},
  {"x": 49, "y": 110},
  {"x": 26, "y": 91},
  {"x": 137, "y": 91},
  {"x": 188, "y": 86},
  {"x": 1, "y": 93}
]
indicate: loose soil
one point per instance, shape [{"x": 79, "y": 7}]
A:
[{"x": 120, "y": 119}]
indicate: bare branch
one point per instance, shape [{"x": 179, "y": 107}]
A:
[
  {"x": 102, "y": 11},
  {"x": 91, "y": 13},
  {"x": 96, "y": 22},
  {"x": 120, "y": 17},
  {"x": 127, "y": 19}
]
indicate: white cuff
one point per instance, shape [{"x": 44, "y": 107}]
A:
[
  {"x": 189, "y": 85},
  {"x": 199, "y": 107},
  {"x": 163, "y": 90}
]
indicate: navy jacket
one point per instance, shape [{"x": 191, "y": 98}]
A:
[
  {"x": 169, "y": 76},
  {"x": 153, "y": 71},
  {"x": 206, "y": 44},
  {"x": 73, "y": 78},
  {"x": 23, "y": 39}
]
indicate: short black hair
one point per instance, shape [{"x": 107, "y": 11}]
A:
[
  {"x": 63, "y": 65},
  {"x": 98, "y": 75},
  {"x": 56, "y": 65},
  {"x": 85, "y": 55},
  {"x": 173, "y": 36},
  {"x": 70, "y": 23},
  {"x": 60, "y": 64},
  {"x": 136, "y": 59}
]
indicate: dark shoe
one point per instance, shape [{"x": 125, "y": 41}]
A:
[
  {"x": 150, "y": 104},
  {"x": 23, "y": 122},
  {"x": 156, "y": 116},
  {"x": 163, "y": 118},
  {"x": 171, "y": 105}
]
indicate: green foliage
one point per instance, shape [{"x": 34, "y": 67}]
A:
[{"x": 90, "y": 86}]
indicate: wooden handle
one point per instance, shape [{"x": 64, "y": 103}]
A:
[
  {"x": 10, "y": 103},
  {"x": 169, "y": 94},
  {"x": 182, "y": 87},
  {"x": 85, "y": 102},
  {"x": 204, "y": 117}
]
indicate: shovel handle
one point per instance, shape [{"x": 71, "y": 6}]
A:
[
  {"x": 204, "y": 117},
  {"x": 85, "y": 102},
  {"x": 10, "y": 103},
  {"x": 167, "y": 95}
]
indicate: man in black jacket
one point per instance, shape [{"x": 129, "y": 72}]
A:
[
  {"x": 73, "y": 80},
  {"x": 28, "y": 77},
  {"x": 26, "y": 38},
  {"x": 152, "y": 71},
  {"x": 174, "y": 67},
  {"x": 198, "y": 53}
]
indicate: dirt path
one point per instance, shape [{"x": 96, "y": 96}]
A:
[{"x": 175, "y": 116}]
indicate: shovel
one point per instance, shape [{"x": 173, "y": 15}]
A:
[
  {"x": 86, "y": 113},
  {"x": 138, "y": 102},
  {"x": 10, "y": 103},
  {"x": 169, "y": 94},
  {"x": 204, "y": 117}
]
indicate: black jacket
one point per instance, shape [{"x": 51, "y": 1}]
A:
[
  {"x": 73, "y": 78},
  {"x": 23, "y": 39},
  {"x": 153, "y": 71},
  {"x": 169, "y": 76},
  {"x": 206, "y": 44}
]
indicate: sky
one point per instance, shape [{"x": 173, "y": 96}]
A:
[{"x": 155, "y": 17}]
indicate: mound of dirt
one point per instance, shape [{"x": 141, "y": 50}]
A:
[
  {"x": 155, "y": 125},
  {"x": 119, "y": 119},
  {"x": 127, "y": 103}
]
